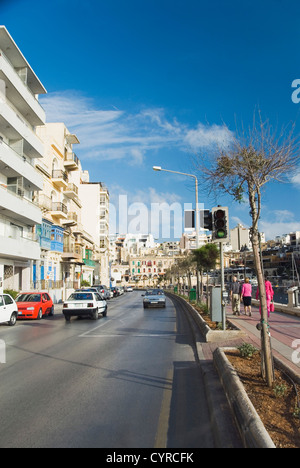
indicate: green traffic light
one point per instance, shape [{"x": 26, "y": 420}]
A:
[{"x": 221, "y": 234}]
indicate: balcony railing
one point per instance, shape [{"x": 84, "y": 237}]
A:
[
  {"x": 58, "y": 206},
  {"x": 59, "y": 174},
  {"x": 72, "y": 158}
]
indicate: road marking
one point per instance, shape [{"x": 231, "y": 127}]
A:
[
  {"x": 161, "y": 437},
  {"x": 89, "y": 331},
  {"x": 135, "y": 335}
]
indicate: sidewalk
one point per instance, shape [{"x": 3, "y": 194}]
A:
[{"x": 284, "y": 329}]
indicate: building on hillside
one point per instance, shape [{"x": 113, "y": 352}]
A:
[
  {"x": 188, "y": 240},
  {"x": 240, "y": 237},
  {"x": 20, "y": 148}
]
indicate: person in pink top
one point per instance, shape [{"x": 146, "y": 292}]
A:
[
  {"x": 269, "y": 295},
  {"x": 246, "y": 295}
]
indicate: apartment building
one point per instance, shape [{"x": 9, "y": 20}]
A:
[
  {"x": 67, "y": 248},
  {"x": 94, "y": 197},
  {"x": 20, "y": 148}
]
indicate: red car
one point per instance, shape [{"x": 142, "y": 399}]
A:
[{"x": 34, "y": 305}]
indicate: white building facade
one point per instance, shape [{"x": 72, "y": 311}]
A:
[
  {"x": 94, "y": 197},
  {"x": 20, "y": 148}
]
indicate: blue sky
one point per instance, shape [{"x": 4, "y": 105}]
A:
[{"x": 151, "y": 82}]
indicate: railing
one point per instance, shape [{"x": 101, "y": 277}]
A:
[
  {"x": 23, "y": 83},
  {"x": 59, "y": 174},
  {"x": 58, "y": 206},
  {"x": 72, "y": 157},
  {"x": 26, "y": 200},
  {"x": 72, "y": 188}
]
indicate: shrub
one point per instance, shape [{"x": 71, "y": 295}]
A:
[
  {"x": 247, "y": 350},
  {"x": 11, "y": 292}
]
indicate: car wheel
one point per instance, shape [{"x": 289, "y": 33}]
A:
[
  {"x": 40, "y": 315},
  {"x": 51, "y": 313},
  {"x": 67, "y": 318},
  {"x": 105, "y": 312},
  {"x": 95, "y": 315},
  {"x": 13, "y": 319}
]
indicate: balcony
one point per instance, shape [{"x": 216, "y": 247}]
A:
[
  {"x": 71, "y": 191},
  {"x": 57, "y": 239},
  {"x": 59, "y": 210},
  {"x": 19, "y": 247},
  {"x": 45, "y": 203},
  {"x": 18, "y": 207},
  {"x": 20, "y": 94},
  {"x": 60, "y": 178},
  {"x": 71, "y": 162},
  {"x": 88, "y": 258},
  {"x": 19, "y": 166},
  {"x": 71, "y": 220},
  {"x": 14, "y": 127}
]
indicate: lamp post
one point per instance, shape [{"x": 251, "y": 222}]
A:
[{"x": 158, "y": 168}]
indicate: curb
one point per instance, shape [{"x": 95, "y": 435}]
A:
[
  {"x": 251, "y": 428},
  {"x": 225, "y": 435},
  {"x": 212, "y": 336}
]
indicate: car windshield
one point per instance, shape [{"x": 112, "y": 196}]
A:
[
  {"x": 81, "y": 297},
  {"x": 154, "y": 292},
  {"x": 28, "y": 298}
]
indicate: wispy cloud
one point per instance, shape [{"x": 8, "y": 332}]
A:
[
  {"x": 282, "y": 222},
  {"x": 296, "y": 179},
  {"x": 117, "y": 134}
]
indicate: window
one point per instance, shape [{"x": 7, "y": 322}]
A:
[
  {"x": 1, "y": 301},
  {"x": 8, "y": 300}
]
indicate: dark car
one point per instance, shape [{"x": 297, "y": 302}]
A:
[{"x": 115, "y": 291}]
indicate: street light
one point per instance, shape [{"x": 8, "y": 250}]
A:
[{"x": 158, "y": 168}]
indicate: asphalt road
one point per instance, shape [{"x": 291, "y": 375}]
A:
[{"x": 129, "y": 380}]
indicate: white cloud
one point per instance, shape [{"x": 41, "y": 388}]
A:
[
  {"x": 296, "y": 180},
  {"x": 116, "y": 134},
  {"x": 205, "y": 136},
  {"x": 273, "y": 229}
]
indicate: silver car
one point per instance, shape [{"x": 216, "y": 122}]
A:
[
  {"x": 103, "y": 290},
  {"x": 154, "y": 298}
]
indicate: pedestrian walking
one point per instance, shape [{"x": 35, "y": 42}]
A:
[
  {"x": 246, "y": 295},
  {"x": 269, "y": 295},
  {"x": 235, "y": 296}
]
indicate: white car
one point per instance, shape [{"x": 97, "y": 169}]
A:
[
  {"x": 8, "y": 310},
  {"x": 84, "y": 303}
]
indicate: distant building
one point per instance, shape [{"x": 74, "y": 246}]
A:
[{"x": 240, "y": 237}]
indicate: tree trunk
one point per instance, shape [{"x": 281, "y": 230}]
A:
[{"x": 267, "y": 359}]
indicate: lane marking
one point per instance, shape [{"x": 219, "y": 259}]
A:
[{"x": 161, "y": 437}]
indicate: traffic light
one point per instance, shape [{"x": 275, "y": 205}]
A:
[
  {"x": 206, "y": 221},
  {"x": 220, "y": 224}
]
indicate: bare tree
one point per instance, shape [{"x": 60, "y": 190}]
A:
[{"x": 253, "y": 158}]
